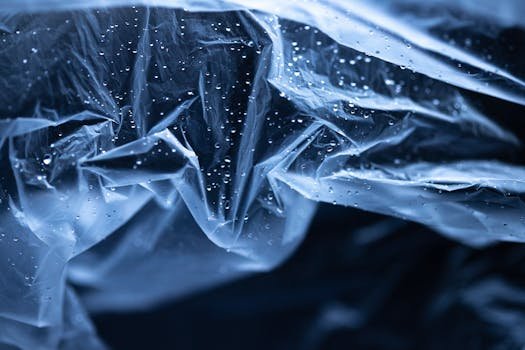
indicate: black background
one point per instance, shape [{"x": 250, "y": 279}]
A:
[{"x": 409, "y": 286}]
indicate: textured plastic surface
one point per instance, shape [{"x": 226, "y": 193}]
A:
[{"x": 147, "y": 152}]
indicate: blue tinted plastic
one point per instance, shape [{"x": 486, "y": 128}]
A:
[{"x": 150, "y": 151}]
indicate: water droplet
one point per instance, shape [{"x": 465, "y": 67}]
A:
[{"x": 47, "y": 159}]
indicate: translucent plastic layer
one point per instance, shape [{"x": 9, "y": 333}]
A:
[{"x": 147, "y": 152}]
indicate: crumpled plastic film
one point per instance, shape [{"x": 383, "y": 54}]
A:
[{"x": 149, "y": 151}]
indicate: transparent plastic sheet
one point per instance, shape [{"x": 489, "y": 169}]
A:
[{"x": 151, "y": 151}]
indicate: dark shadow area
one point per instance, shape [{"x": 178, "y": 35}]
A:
[{"x": 359, "y": 280}]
